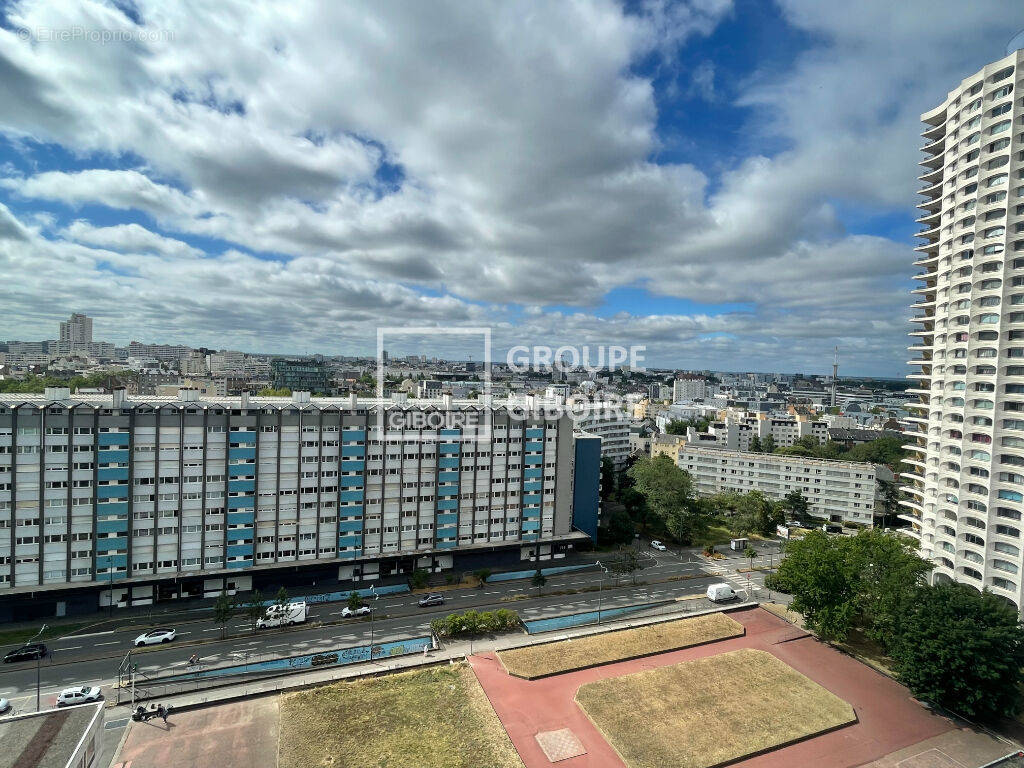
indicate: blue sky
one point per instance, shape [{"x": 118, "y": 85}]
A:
[{"x": 730, "y": 184}]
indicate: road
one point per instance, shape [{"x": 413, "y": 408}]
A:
[{"x": 93, "y": 659}]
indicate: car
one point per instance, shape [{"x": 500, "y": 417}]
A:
[
  {"x": 71, "y": 696},
  {"x": 658, "y": 546},
  {"x": 721, "y": 593},
  {"x": 832, "y": 528},
  {"x": 155, "y": 637},
  {"x": 5, "y": 706},
  {"x": 348, "y": 613},
  {"x": 26, "y": 653},
  {"x": 432, "y": 599}
]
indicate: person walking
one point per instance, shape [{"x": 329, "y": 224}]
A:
[{"x": 162, "y": 713}]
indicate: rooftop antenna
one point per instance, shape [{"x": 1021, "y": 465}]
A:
[{"x": 835, "y": 375}]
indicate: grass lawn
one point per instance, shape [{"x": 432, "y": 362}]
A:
[
  {"x": 705, "y": 712},
  {"x": 13, "y": 636},
  {"x": 563, "y": 656},
  {"x": 431, "y": 718}
]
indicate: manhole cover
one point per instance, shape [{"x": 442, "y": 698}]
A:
[{"x": 560, "y": 745}]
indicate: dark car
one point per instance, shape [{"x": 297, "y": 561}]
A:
[
  {"x": 26, "y": 653},
  {"x": 432, "y": 599}
]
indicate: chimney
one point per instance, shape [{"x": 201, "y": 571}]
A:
[{"x": 118, "y": 397}]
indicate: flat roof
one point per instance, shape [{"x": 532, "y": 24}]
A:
[{"x": 47, "y": 739}]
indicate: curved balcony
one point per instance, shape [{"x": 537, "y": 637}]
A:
[
  {"x": 934, "y": 203},
  {"x": 932, "y": 191},
  {"x": 924, "y": 261},
  {"x": 936, "y": 129},
  {"x": 911, "y": 504},
  {"x": 922, "y": 319},
  {"x": 924, "y": 247},
  {"x": 916, "y": 478},
  {"x": 911, "y": 531},
  {"x": 936, "y": 147},
  {"x": 928, "y": 234},
  {"x": 915, "y": 462},
  {"x": 915, "y": 448},
  {"x": 931, "y": 176},
  {"x": 923, "y": 331},
  {"x": 923, "y": 304}
]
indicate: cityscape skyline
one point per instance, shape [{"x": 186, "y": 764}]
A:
[{"x": 311, "y": 223}]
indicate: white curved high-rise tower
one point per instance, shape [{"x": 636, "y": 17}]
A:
[{"x": 965, "y": 479}]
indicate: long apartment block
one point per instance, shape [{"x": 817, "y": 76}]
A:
[
  {"x": 840, "y": 491},
  {"x": 145, "y": 499}
]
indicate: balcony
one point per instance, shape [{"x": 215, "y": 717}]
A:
[
  {"x": 934, "y": 191},
  {"x": 931, "y": 176},
  {"x": 937, "y": 147}
]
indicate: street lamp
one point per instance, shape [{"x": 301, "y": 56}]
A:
[
  {"x": 38, "y": 657},
  {"x": 373, "y": 592},
  {"x": 600, "y": 588}
]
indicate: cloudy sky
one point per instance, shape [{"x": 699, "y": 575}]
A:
[{"x": 728, "y": 182}]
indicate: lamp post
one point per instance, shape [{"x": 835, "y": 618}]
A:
[
  {"x": 600, "y": 588},
  {"x": 38, "y": 658},
  {"x": 373, "y": 592}
]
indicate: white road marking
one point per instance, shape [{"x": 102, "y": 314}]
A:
[
  {"x": 115, "y": 642},
  {"x": 69, "y": 648}
]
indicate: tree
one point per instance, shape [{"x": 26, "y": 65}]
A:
[
  {"x": 281, "y": 598},
  {"x": 223, "y": 610},
  {"x": 819, "y": 578},
  {"x": 797, "y": 505},
  {"x": 636, "y": 505},
  {"x": 355, "y": 601},
  {"x": 768, "y": 444},
  {"x": 607, "y": 478},
  {"x": 755, "y": 444},
  {"x": 482, "y": 574},
  {"x": 676, "y": 427},
  {"x": 272, "y": 392},
  {"x": 538, "y": 580},
  {"x": 667, "y": 490},
  {"x": 619, "y": 528},
  {"x": 889, "y": 502},
  {"x": 962, "y": 650},
  {"x": 750, "y": 553},
  {"x": 419, "y": 578},
  {"x": 626, "y": 563},
  {"x": 254, "y": 608},
  {"x": 756, "y": 513}
]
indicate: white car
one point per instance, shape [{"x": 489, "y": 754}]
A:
[
  {"x": 71, "y": 696},
  {"x": 155, "y": 637},
  {"x": 348, "y": 613},
  {"x": 658, "y": 546},
  {"x": 5, "y": 705}
]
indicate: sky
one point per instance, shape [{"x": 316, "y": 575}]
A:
[{"x": 727, "y": 183}]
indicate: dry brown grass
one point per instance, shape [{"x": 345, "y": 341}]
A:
[
  {"x": 706, "y": 712},
  {"x": 552, "y": 658},
  {"x": 430, "y": 718}
]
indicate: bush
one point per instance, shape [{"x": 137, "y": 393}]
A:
[
  {"x": 776, "y": 583},
  {"x": 475, "y": 623},
  {"x": 419, "y": 578}
]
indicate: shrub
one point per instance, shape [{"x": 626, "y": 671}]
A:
[{"x": 475, "y": 622}]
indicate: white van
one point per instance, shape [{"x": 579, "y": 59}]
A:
[
  {"x": 281, "y": 616},
  {"x": 721, "y": 593}
]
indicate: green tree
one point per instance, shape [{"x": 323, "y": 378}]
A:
[
  {"x": 538, "y": 580},
  {"x": 676, "y": 427},
  {"x": 636, "y": 505},
  {"x": 619, "y": 528},
  {"x": 756, "y": 513},
  {"x": 755, "y": 444},
  {"x": 223, "y": 610},
  {"x": 884, "y": 450},
  {"x": 419, "y": 578},
  {"x": 962, "y": 650},
  {"x": 768, "y": 444},
  {"x": 668, "y": 492},
  {"x": 626, "y": 563},
  {"x": 281, "y": 598},
  {"x": 889, "y": 501},
  {"x": 607, "y": 478},
  {"x": 254, "y": 608},
  {"x": 820, "y": 579},
  {"x": 797, "y": 505},
  {"x": 750, "y": 553},
  {"x": 481, "y": 575},
  {"x": 272, "y": 392},
  {"x": 355, "y": 601}
]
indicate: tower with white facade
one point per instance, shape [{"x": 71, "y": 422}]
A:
[{"x": 965, "y": 477}]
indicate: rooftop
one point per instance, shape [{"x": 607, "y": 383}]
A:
[{"x": 47, "y": 739}]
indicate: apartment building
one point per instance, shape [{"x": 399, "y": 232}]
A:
[
  {"x": 688, "y": 386},
  {"x": 739, "y": 433},
  {"x": 840, "y": 491},
  {"x": 105, "y": 498},
  {"x": 966, "y": 479},
  {"x": 612, "y": 424}
]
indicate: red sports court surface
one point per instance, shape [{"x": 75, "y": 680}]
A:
[{"x": 888, "y": 718}]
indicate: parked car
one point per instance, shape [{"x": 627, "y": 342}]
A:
[
  {"x": 5, "y": 706},
  {"x": 348, "y": 613},
  {"x": 155, "y": 637},
  {"x": 658, "y": 546},
  {"x": 26, "y": 653},
  {"x": 432, "y": 599},
  {"x": 721, "y": 593},
  {"x": 832, "y": 528},
  {"x": 284, "y": 615},
  {"x": 71, "y": 696}
]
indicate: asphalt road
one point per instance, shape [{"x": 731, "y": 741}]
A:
[{"x": 94, "y": 658}]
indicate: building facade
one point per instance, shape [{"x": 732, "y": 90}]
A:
[
  {"x": 76, "y": 332},
  {"x": 965, "y": 480},
  {"x": 300, "y": 375},
  {"x": 840, "y": 491},
  {"x": 688, "y": 387},
  {"x": 138, "y": 500}
]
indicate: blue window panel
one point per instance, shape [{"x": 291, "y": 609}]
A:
[
  {"x": 111, "y": 526},
  {"x": 448, "y": 448},
  {"x": 112, "y": 508},
  {"x": 239, "y": 549},
  {"x": 234, "y": 534},
  {"x": 448, "y": 462},
  {"x": 529, "y": 537},
  {"x": 533, "y": 446},
  {"x": 350, "y": 541},
  {"x": 112, "y": 473},
  {"x": 353, "y": 465},
  {"x": 448, "y": 504},
  {"x": 242, "y": 518},
  {"x": 241, "y": 502},
  {"x": 535, "y": 433},
  {"x": 105, "y": 561},
  {"x": 239, "y": 563},
  {"x": 531, "y": 525},
  {"x": 444, "y": 533},
  {"x": 447, "y": 477},
  {"x": 112, "y": 457},
  {"x": 450, "y": 433},
  {"x": 350, "y": 525},
  {"x": 353, "y": 434},
  {"x": 448, "y": 490},
  {"x": 242, "y": 437},
  {"x": 531, "y": 515},
  {"x": 350, "y": 554},
  {"x": 357, "y": 451},
  {"x": 533, "y": 473},
  {"x": 246, "y": 486},
  {"x": 353, "y": 481},
  {"x": 112, "y": 438},
  {"x": 447, "y": 544},
  {"x": 448, "y": 519},
  {"x": 533, "y": 459},
  {"x": 105, "y": 545},
  {"x": 111, "y": 491},
  {"x": 533, "y": 486},
  {"x": 350, "y": 495},
  {"x": 241, "y": 470},
  {"x": 241, "y": 453},
  {"x": 531, "y": 498}
]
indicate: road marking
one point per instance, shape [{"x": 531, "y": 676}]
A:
[
  {"x": 211, "y": 630},
  {"x": 115, "y": 642},
  {"x": 94, "y": 634},
  {"x": 69, "y": 648}
]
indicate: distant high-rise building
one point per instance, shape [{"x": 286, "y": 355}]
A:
[
  {"x": 77, "y": 331},
  {"x": 965, "y": 489},
  {"x": 688, "y": 386},
  {"x": 300, "y": 375}
]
